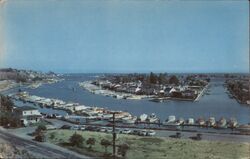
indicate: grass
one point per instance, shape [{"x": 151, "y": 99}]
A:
[{"x": 156, "y": 147}]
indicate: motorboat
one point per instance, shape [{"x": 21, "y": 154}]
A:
[
  {"x": 152, "y": 118},
  {"x": 201, "y": 122},
  {"x": 129, "y": 120},
  {"x": 170, "y": 121},
  {"x": 190, "y": 121},
  {"x": 233, "y": 123},
  {"x": 143, "y": 117},
  {"x": 222, "y": 123},
  {"x": 211, "y": 122}
]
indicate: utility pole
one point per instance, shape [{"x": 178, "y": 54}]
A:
[{"x": 114, "y": 134}]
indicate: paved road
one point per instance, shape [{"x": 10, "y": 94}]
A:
[{"x": 40, "y": 150}]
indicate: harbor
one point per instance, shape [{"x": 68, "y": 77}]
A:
[
  {"x": 217, "y": 104},
  {"x": 90, "y": 115}
]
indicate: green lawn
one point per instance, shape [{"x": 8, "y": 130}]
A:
[{"x": 155, "y": 147}]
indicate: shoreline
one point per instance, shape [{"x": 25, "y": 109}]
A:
[
  {"x": 121, "y": 95},
  {"x": 6, "y": 85}
]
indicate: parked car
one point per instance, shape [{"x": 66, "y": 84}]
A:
[
  {"x": 197, "y": 137},
  {"x": 91, "y": 128},
  {"x": 143, "y": 133},
  {"x": 151, "y": 133},
  {"x": 135, "y": 132},
  {"x": 103, "y": 129},
  {"x": 109, "y": 130},
  {"x": 66, "y": 127},
  {"x": 118, "y": 130},
  {"x": 177, "y": 135},
  {"x": 82, "y": 127},
  {"x": 126, "y": 131},
  {"x": 75, "y": 127}
]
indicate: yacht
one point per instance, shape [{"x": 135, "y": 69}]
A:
[
  {"x": 152, "y": 118},
  {"x": 170, "y": 121},
  {"x": 211, "y": 122},
  {"x": 129, "y": 120},
  {"x": 143, "y": 117},
  {"x": 222, "y": 123},
  {"x": 232, "y": 123},
  {"x": 201, "y": 122},
  {"x": 190, "y": 121}
]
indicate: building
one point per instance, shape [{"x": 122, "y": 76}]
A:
[{"x": 28, "y": 115}]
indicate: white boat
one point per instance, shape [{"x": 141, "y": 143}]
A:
[
  {"x": 129, "y": 120},
  {"x": 211, "y": 121},
  {"x": 143, "y": 117},
  {"x": 190, "y": 121},
  {"x": 180, "y": 121},
  {"x": 232, "y": 123},
  {"x": 222, "y": 123},
  {"x": 152, "y": 118},
  {"x": 170, "y": 121},
  {"x": 201, "y": 122}
]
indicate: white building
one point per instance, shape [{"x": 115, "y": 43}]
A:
[{"x": 28, "y": 115}]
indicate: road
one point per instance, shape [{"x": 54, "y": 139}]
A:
[{"x": 40, "y": 150}]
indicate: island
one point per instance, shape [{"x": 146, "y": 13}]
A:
[{"x": 155, "y": 87}]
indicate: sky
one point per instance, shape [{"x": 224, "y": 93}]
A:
[{"x": 95, "y": 36}]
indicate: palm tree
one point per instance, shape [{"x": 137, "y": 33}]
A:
[
  {"x": 105, "y": 143},
  {"x": 91, "y": 142}
]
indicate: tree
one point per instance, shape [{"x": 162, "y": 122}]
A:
[
  {"x": 76, "y": 140},
  {"x": 161, "y": 78},
  {"x": 105, "y": 143},
  {"x": 173, "y": 80},
  {"x": 6, "y": 104},
  {"x": 90, "y": 142},
  {"x": 152, "y": 78},
  {"x": 122, "y": 149},
  {"x": 41, "y": 128},
  {"x": 40, "y": 137}
]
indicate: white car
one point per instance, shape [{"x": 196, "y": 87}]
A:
[
  {"x": 75, "y": 127},
  {"x": 151, "y": 133},
  {"x": 103, "y": 129},
  {"x": 126, "y": 131},
  {"x": 143, "y": 133},
  {"x": 82, "y": 127},
  {"x": 109, "y": 130}
]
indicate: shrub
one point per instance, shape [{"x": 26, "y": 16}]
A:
[{"x": 76, "y": 140}]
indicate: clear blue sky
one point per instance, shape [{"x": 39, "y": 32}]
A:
[{"x": 125, "y": 36}]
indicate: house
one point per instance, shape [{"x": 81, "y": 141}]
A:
[{"x": 28, "y": 115}]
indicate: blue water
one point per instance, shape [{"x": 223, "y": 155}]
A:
[{"x": 217, "y": 104}]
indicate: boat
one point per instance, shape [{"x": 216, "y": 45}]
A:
[
  {"x": 222, "y": 123},
  {"x": 156, "y": 100},
  {"x": 170, "y": 121},
  {"x": 180, "y": 121},
  {"x": 232, "y": 123},
  {"x": 190, "y": 121},
  {"x": 143, "y": 117},
  {"x": 211, "y": 122},
  {"x": 129, "y": 120},
  {"x": 201, "y": 122},
  {"x": 152, "y": 118}
]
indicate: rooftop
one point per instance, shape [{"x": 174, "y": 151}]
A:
[{"x": 26, "y": 108}]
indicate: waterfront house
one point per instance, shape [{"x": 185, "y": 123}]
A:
[{"x": 28, "y": 115}]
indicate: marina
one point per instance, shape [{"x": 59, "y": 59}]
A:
[
  {"x": 81, "y": 114},
  {"x": 217, "y": 104}
]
